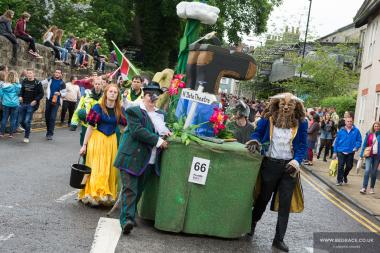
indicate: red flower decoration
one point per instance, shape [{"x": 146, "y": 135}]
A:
[
  {"x": 176, "y": 83},
  {"x": 217, "y": 119}
]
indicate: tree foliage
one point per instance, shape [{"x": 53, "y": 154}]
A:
[
  {"x": 341, "y": 103},
  {"x": 243, "y": 17},
  {"x": 150, "y": 24},
  {"x": 323, "y": 75}
]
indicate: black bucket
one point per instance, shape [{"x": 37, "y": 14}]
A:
[{"x": 79, "y": 175}]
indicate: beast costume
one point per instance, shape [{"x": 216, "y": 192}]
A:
[{"x": 282, "y": 136}]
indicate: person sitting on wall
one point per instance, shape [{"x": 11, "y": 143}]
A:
[
  {"x": 21, "y": 33},
  {"x": 6, "y": 31}
]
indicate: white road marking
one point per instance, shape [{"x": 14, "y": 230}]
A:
[
  {"x": 4, "y": 238},
  {"x": 106, "y": 236},
  {"x": 66, "y": 196},
  {"x": 309, "y": 250},
  {"x": 6, "y": 206}
]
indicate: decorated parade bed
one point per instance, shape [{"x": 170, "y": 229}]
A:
[{"x": 207, "y": 179}]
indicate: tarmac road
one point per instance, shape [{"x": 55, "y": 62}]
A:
[{"x": 39, "y": 213}]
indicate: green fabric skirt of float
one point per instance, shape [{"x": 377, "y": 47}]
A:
[{"x": 222, "y": 207}]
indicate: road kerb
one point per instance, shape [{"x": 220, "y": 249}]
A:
[{"x": 342, "y": 194}]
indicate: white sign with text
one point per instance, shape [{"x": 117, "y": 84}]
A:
[
  {"x": 198, "y": 96},
  {"x": 199, "y": 170}
]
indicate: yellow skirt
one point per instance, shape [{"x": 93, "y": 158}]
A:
[{"x": 101, "y": 187}]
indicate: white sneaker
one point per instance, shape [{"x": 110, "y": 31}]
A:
[
  {"x": 20, "y": 130},
  {"x": 26, "y": 140}
]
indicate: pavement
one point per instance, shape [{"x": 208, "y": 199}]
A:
[
  {"x": 370, "y": 203},
  {"x": 39, "y": 211}
]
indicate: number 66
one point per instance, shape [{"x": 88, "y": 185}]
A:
[{"x": 198, "y": 166}]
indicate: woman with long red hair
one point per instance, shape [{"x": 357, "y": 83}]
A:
[{"x": 100, "y": 145}]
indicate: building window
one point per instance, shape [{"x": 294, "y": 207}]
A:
[
  {"x": 362, "y": 109},
  {"x": 377, "y": 107},
  {"x": 372, "y": 40}
]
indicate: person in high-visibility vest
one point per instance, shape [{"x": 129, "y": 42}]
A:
[{"x": 134, "y": 95}]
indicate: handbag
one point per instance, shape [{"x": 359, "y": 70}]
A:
[
  {"x": 367, "y": 152},
  {"x": 333, "y": 168}
]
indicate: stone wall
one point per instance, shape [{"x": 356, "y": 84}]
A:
[{"x": 43, "y": 68}]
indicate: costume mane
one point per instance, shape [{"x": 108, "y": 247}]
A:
[{"x": 281, "y": 120}]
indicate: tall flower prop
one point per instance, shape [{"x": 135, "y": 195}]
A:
[
  {"x": 176, "y": 83},
  {"x": 218, "y": 119}
]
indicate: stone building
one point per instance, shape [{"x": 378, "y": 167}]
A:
[
  {"x": 368, "y": 101},
  {"x": 346, "y": 34}
]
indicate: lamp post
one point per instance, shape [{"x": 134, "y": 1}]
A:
[{"x": 307, "y": 29}]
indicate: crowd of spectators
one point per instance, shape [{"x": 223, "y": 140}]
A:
[{"x": 78, "y": 52}]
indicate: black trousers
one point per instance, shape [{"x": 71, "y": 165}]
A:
[
  {"x": 57, "y": 55},
  {"x": 30, "y": 40},
  {"x": 345, "y": 164},
  {"x": 14, "y": 42},
  {"x": 273, "y": 179},
  {"x": 325, "y": 143},
  {"x": 67, "y": 106}
]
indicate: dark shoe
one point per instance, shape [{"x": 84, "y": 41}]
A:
[
  {"x": 318, "y": 156},
  {"x": 345, "y": 180},
  {"x": 324, "y": 159},
  {"x": 253, "y": 227},
  {"x": 280, "y": 245},
  {"x": 128, "y": 227}
]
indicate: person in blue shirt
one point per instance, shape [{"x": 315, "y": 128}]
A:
[
  {"x": 9, "y": 92},
  {"x": 347, "y": 142},
  {"x": 55, "y": 91}
]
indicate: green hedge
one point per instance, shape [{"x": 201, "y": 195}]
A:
[{"x": 342, "y": 103}]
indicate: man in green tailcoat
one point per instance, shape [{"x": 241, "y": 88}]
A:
[{"x": 139, "y": 152}]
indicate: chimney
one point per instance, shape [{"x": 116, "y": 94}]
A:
[
  {"x": 286, "y": 29},
  {"x": 292, "y": 29}
]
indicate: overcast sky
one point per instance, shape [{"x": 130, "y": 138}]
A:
[{"x": 326, "y": 16}]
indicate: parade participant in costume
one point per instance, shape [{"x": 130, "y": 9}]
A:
[
  {"x": 138, "y": 155},
  {"x": 282, "y": 136},
  {"x": 100, "y": 145},
  {"x": 164, "y": 78},
  {"x": 242, "y": 128},
  {"x": 134, "y": 95},
  {"x": 85, "y": 104}
]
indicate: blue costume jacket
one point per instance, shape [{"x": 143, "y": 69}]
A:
[{"x": 263, "y": 134}]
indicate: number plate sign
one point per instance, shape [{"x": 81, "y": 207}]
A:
[{"x": 199, "y": 171}]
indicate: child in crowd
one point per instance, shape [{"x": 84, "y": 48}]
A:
[
  {"x": 64, "y": 53},
  {"x": 48, "y": 40},
  {"x": 10, "y": 101}
]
